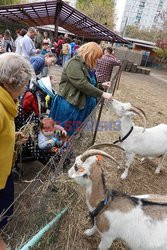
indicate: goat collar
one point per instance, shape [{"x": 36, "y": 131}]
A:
[
  {"x": 125, "y": 137},
  {"x": 100, "y": 207}
]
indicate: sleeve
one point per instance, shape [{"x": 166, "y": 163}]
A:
[
  {"x": 70, "y": 49},
  {"x": 115, "y": 61},
  {"x": 35, "y": 65},
  {"x": 77, "y": 78},
  {"x": 29, "y": 47},
  {"x": 43, "y": 142},
  {"x": 1, "y": 124}
]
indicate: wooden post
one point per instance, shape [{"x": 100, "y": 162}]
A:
[
  {"x": 98, "y": 120},
  {"x": 115, "y": 79},
  {"x": 59, "y": 5}
]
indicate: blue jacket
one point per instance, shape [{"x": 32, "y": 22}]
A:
[{"x": 38, "y": 63}]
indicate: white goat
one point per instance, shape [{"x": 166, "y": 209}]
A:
[
  {"x": 140, "y": 221},
  {"x": 149, "y": 142}
]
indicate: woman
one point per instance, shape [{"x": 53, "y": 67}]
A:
[
  {"x": 66, "y": 51},
  {"x": 8, "y": 42},
  {"x": 15, "y": 73},
  {"x": 19, "y": 41},
  {"x": 46, "y": 38},
  {"x": 78, "y": 93}
]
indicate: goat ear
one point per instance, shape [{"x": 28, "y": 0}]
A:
[{"x": 129, "y": 113}]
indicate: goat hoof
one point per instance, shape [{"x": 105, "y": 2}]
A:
[
  {"x": 142, "y": 159},
  {"x": 124, "y": 176},
  {"x": 89, "y": 232},
  {"x": 118, "y": 167},
  {"x": 157, "y": 171}
]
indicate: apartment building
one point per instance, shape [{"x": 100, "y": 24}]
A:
[{"x": 145, "y": 14}]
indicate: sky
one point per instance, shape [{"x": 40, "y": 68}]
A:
[{"x": 120, "y": 5}]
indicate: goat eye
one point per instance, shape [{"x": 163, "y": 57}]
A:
[
  {"x": 85, "y": 176},
  {"x": 75, "y": 167}
]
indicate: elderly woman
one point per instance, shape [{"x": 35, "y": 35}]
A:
[
  {"x": 78, "y": 92},
  {"x": 15, "y": 73}
]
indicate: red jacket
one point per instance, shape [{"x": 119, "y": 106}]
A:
[
  {"x": 30, "y": 103},
  {"x": 58, "y": 46}
]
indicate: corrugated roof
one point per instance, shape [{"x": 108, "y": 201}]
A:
[{"x": 44, "y": 13}]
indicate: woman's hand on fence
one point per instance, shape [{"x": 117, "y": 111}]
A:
[
  {"x": 106, "y": 85},
  {"x": 107, "y": 96},
  {"x": 20, "y": 138}
]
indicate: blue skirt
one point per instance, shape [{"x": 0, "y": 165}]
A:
[{"x": 68, "y": 115}]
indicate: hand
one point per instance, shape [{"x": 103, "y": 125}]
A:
[
  {"x": 50, "y": 141},
  {"x": 37, "y": 51},
  {"x": 59, "y": 143},
  {"x": 64, "y": 133},
  {"x": 106, "y": 85},
  {"x": 20, "y": 138},
  {"x": 107, "y": 96}
]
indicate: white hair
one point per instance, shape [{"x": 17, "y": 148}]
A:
[{"x": 15, "y": 71}]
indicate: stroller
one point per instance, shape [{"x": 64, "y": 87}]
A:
[{"x": 33, "y": 107}]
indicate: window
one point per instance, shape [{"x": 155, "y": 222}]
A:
[{"x": 142, "y": 4}]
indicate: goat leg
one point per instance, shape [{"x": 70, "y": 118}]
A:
[
  {"x": 122, "y": 165},
  {"x": 129, "y": 160},
  {"x": 160, "y": 164},
  {"x": 106, "y": 242},
  {"x": 91, "y": 231}
]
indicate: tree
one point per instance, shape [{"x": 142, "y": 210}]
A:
[
  {"x": 162, "y": 40},
  {"x": 147, "y": 35},
  {"x": 9, "y": 2},
  {"x": 101, "y": 11}
]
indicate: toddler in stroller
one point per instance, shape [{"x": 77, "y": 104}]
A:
[
  {"x": 50, "y": 135},
  {"x": 31, "y": 105}
]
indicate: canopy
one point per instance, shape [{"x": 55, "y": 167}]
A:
[{"x": 60, "y": 14}]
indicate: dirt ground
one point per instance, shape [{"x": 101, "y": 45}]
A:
[{"x": 148, "y": 93}]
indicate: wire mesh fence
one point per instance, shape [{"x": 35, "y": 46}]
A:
[
  {"x": 36, "y": 200},
  {"x": 46, "y": 192}
]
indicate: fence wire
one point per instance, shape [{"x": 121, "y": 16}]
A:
[{"x": 35, "y": 201}]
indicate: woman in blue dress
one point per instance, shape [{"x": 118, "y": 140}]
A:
[{"x": 78, "y": 90}]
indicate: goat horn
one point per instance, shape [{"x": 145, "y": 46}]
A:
[
  {"x": 97, "y": 146},
  {"x": 92, "y": 152},
  {"x": 141, "y": 110},
  {"x": 136, "y": 111}
]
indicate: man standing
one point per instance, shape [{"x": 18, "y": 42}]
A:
[
  {"x": 105, "y": 65},
  {"x": 28, "y": 47}
]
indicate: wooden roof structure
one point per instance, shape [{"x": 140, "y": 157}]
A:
[{"x": 61, "y": 14}]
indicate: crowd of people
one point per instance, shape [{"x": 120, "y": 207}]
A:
[
  {"x": 85, "y": 77},
  {"x": 32, "y": 42}
]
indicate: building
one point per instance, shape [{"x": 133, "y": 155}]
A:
[
  {"x": 146, "y": 14},
  {"x": 71, "y": 2}
]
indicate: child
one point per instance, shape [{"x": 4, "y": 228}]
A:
[
  {"x": 49, "y": 135},
  {"x": 45, "y": 48}
]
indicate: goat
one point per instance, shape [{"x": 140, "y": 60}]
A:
[
  {"x": 145, "y": 142},
  {"x": 140, "y": 221}
]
